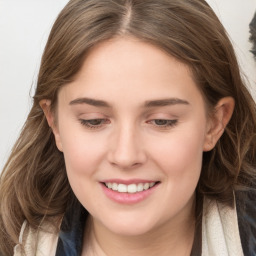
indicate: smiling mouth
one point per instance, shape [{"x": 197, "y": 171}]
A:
[{"x": 131, "y": 188}]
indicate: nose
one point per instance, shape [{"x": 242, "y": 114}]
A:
[{"x": 127, "y": 150}]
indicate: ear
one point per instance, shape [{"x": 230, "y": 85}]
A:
[
  {"x": 218, "y": 121},
  {"x": 46, "y": 107}
]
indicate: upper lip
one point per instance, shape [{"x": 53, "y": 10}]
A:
[{"x": 127, "y": 182}]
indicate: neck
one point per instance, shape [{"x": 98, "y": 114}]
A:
[{"x": 175, "y": 238}]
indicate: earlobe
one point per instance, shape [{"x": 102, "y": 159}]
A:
[
  {"x": 218, "y": 121},
  {"x": 46, "y": 107}
]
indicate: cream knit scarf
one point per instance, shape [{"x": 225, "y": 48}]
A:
[{"x": 220, "y": 232}]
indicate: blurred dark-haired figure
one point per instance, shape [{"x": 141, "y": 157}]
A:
[{"x": 253, "y": 34}]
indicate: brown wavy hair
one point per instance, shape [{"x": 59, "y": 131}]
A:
[{"x": 34, "y": 183}]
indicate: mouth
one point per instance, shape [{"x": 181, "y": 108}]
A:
[
  {"x": 129, "y": 192},
  {"x": 130, "y": 188}
]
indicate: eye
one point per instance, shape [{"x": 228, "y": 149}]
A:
[
  {"x": 163, "y": 123},
  {"x": 94, "y": 123}
]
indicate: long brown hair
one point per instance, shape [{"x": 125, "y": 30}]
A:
[{"x": 34, "y": 183}]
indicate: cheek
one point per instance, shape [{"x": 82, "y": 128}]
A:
[
  {"x": 180, "y": 155},
  {"x": 82, "y": 151},
  {"x": 180, "y": 161},
  {"x": 81, "y": 155}
]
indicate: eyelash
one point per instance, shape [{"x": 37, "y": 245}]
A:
[
  {"x": 166, "y": 123},
  {"x": 98, "y": 123}
]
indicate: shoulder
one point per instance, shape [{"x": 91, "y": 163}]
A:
[{"x": 40, "y": 242}]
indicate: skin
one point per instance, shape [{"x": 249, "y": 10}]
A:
[{"x": 129, "y": 140}]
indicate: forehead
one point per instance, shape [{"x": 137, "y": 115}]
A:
[
  {"x": 131, "y": 53},
  {"x": 127, "y": 68}
]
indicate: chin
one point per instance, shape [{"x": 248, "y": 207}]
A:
[
  {"x": 131, "y": 231},
  {"x": 129, "y": 225}
]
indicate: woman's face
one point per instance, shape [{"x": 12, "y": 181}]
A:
[{"x": 132, "y": 120}]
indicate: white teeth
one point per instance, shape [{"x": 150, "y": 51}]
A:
[
  {"x": 151, "y": 184},
  {"x": 114, "y": 186},
  {"x": 131, "y": 188},
  {"x": 146, "y": 186},
  {"x": 109, "y": 185},
  {"x": 122, "y": 188},
  {"x": 140, "y": 187}
]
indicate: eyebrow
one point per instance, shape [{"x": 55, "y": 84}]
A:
[
  {"x": 89, "y": 101},
  {"x": 165, "y": 102},
  {"x": 148, "y": 104}
]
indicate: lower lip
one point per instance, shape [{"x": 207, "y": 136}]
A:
[{"x": 128, "y": 198}]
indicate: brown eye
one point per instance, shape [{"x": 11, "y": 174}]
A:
[
  {"x": 163, "y": 122},
  {"x": 94, "y": 123}
]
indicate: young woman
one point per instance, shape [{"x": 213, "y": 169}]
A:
[{"x": 141, "y": 139}]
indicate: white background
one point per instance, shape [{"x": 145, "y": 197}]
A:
[{"x": 24, "y": 27}]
